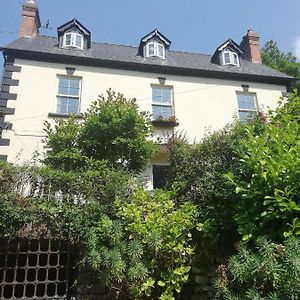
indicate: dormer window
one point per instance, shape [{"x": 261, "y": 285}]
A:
[
  {"x": 73, "y": 39},
  {"x": 154, "y": 44},
  {"x": 228, "y": 53},
  {"x": 74, "y": 35},
  {"x": 155, "y": 49},
  {"x": 230, "y": 58}
]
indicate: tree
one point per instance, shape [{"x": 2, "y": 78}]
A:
[
  {"x": 112, "y": 131},
  {"x": 285, "y": 63}
]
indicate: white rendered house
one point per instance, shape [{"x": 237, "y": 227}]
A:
[{"x": 46, "y": 78}]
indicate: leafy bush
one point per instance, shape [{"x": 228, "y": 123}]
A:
[
  {"x": 47, "y": 198},
  {"x": 270, "y": 272},
  {"x": 147, "y": 249},
  {"x": 197, "y": 175},
  {"x": 270, "y": 194}
]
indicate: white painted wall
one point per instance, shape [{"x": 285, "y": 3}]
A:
[{"x": 201, "y": 104}]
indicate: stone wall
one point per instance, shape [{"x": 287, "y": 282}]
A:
[{"x": 203, "y": 273}]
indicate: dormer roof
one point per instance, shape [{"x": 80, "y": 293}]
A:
[
  {"x": 75, "y": 24},
  {"x": 230, "y": 43},
  {"x": 155, "y": 34}
]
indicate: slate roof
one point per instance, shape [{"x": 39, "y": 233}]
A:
[{"x": 46, "y": 48}]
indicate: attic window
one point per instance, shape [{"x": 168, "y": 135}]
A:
[
  {"x": 155, "y": 49},
  {"x": 73, "y": 39},
  {"x": 230, "y": 58}
]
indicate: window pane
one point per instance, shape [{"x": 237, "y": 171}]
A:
[
  {"x": 226, "y": 57},
  {"x": 68, "y": 86},
  {"x": 73, "y": 91},
  {"x": 162, "y": 95},
  {"x": 63, "y": 82},
  {"x": 246, "y": 102},
  {"x": 156, "y": 95},
  {"x": 63, "y": 90},
  {"x": 67, "y": 105},
  {"x": 151, "y": 49},
  {"x": 156, "y": 111},
  {"x": 244, "y": 116},
  {"x": 166, "y": 95},
  {"x": 62, "y": 104},
  {"x": 241, "y": 102},
  {"x": 78, "y": 42},
  {"x": 250, "y": 100},
  {"x": 166, "y": 111},
  {"x": 160, "y": 49},
  {"x": 68, "y": 39},
  {"x": 74, "y": 82},
  {"x": 73, "y": 106},
  {"x": 161, "y": 111},
  {"x": 235, "y": 59}
]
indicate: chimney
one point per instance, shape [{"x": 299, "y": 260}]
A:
[
  {"x": 30, "y": 21},
  {"x": 250, "y": 45}
]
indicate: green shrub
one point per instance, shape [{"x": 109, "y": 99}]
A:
[
  {"x": 147, "y": 250},
  {"x": 270, "y": 271},
  {"x": 197, "y": 175},
  {"x": 269, "y": 200}
]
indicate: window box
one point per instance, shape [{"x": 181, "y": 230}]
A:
[
  {"x": 165, "y": 122},
  {"x": 59, "y": 115}
]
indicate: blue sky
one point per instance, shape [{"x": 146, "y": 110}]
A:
[{"x": 192, "y": 25}]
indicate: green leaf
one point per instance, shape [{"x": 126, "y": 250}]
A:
[{"x": 161, "y": 283}]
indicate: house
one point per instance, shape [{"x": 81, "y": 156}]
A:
[{"x": 50, "y": 77}]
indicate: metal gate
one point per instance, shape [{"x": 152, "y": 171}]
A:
[{"x": 36, "y": 269}]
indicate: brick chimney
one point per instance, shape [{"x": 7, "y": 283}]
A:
[
  {"x": 250, "y": 45},
  {"x": 30, "y": 21}
]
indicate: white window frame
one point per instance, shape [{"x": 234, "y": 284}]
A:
[
  {"x": 73, "y": 38},
  {"x": 233, "y": 58},
  {"x": 247, "y": 110},
  {"x": 68, "y": 95},
  {"x": 167, "y": 87},
  {"x": 156, "y": 49}
]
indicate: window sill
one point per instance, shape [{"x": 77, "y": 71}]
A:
[
  {"x": 59, "y": 115},
  {"x": 165, "y": 123}
]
